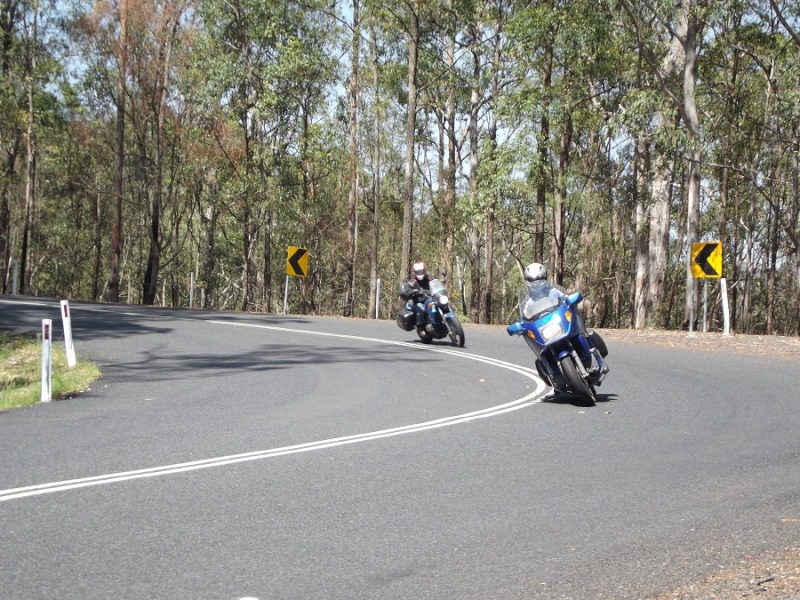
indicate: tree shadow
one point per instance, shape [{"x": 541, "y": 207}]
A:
[
  {"x": 115, "y": 321},
  {"x": 162, "y": 364}
]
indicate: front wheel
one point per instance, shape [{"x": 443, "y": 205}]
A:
[
  {"x": 579, "y": 387},
  {"x": 456, "y": 332}
]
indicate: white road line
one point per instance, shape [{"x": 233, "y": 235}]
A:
[{"x": 532, "y": 398}]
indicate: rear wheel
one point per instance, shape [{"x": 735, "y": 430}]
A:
[
  {"x": 579, "y": 387},
  {"x": 456, "y": 332}
]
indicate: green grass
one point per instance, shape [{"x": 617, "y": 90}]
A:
[{"x": 21, "y": 372}]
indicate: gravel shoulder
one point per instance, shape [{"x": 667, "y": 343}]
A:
[{"x": 778, "y": 346}]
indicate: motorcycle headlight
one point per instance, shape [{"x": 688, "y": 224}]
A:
[
  {"x": 552, "y": 330},
  {"x": 443, "y": 299}
]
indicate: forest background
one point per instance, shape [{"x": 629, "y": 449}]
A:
[{"x": 168, "y": 151}]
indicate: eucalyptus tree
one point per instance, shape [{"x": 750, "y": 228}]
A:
[
  {"x": 100, "y": 36},
  {"x": 788, "y": 16},
  {"x": 590, "y": 80},
  {"x": 262, "y": 68},
  {"x": 498, "y": 13},
  {"x": 488, "y": 76},
  {"x": 751, "y": 75},
  {"x": 444, "y": 97},
  {"x": 676, "y": 39},
  {"x": 155, "y": 56},
  {"x": 11, "y": 127},
  {"x": 352, "y": 203},
  {"x": 533, "y": 32},
  {"x": 651, "y": 115},
  {"x": 411, "y": 20},
  {"x": 382, "y": 134},
  {"x": 29, "y": 72},
  {"x": 381, "y": 141}
]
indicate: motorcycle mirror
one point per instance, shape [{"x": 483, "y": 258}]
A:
[
  {"x": 575, "y": 297},
  {"x": 514, "y": 328}
]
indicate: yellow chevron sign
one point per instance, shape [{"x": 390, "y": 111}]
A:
[
  {"x": 707, "y": 259},
  {"x": 297, "y": 261}
]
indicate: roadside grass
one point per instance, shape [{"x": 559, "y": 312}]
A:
[{"x": 21, "y": 372}]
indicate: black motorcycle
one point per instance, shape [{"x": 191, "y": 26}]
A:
[{"x": 440, "y": 318}]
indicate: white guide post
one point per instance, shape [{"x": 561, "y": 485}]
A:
[
  {"x": 377, "y": 298},
  {"x": 47, "y": 342},
  {"x": 67, "y": 322},
  {"x": 191, "y": 289},
  {"x": 285, "y": 294},
  {"x": 705, "y": 305},
  {"x": 726, "y": 330}
]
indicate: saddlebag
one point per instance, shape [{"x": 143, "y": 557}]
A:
[{"x": 406, "y": 319}]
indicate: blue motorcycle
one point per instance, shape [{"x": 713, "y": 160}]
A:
[
  {"x": 440, "y": 320},
  {"x": 569, "y": 358}
]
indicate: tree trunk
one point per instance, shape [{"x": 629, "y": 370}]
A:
[
  {"x": 267, "y": 294},
  {"x": 792, "y": 228},
  {"x": 692, "y": 116},
  {"x": 411, "y": 123},
  {"x": 658, "y": 248},
  {"x": 98, "y": 240},
  {"x": 491, "y": 216},
  {"x": 209, "y": 219},
  {"x": 9, "y": 142},
  {"x": 116, "y": 227},
  {"x": 166, "y": 39},
  {"x": 376, "y": 187},
  {"x": 773, "y": 225},
  {"x": 350, "y": 259},
  {"x": 30, "y": 180},
  {"x": 449, "y": 204},
  {"x": 544, "y": 140},
  {"x": 474, "y": 164},
  {"x": 559, "y": 226},
  {"x": 640, "y": 226}
]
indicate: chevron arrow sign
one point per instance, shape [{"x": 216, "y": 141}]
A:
[
  {"x": 707, "y": 259},
  {"x": 297, "y": 261}
]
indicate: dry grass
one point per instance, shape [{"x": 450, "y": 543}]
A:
[{"x": 21, "y": 372}]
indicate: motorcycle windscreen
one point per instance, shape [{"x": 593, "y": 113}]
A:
[
  {"x": 436, "y": 286},
  {"x": 532, "y": 310}
]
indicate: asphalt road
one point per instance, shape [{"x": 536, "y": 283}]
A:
[{"x": 229, "y": 456}]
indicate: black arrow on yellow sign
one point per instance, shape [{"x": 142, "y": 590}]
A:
[
  {"x": 707, "y": 261},
  {"x": 297, "y": 261}
]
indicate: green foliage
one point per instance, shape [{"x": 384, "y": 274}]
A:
[{"x": 248, "y": 150}]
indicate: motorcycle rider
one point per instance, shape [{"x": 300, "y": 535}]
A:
[
  {"x": 535, "y": 275},
  {"x": 422, "y": 284},
  {"x": 538, "y": 287}
]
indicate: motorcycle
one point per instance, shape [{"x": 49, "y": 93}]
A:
[
  {"x": 440, "y": 318},
  {"x": 569, "y": 358}
]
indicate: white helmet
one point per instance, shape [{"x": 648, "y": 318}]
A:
[
  {"x": 419, "y": 270},
  {"x": 535, "y": 272}
]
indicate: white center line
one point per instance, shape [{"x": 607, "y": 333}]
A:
[{"x": 532, "y": 398}]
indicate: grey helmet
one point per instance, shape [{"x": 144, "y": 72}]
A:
[{"x": 535, "y": 272}]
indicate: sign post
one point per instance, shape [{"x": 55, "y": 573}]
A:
[
  {"x": 707, "y": 264},
  {"x": 296, "y": 266}
]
